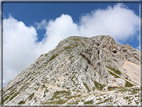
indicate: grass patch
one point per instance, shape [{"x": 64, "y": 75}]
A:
[
  {"x": 22, "y": 88},
  {"x": 14, "y": 89},
  {"x": 137, "y": 102},
  {"x": 71, "y": 57},
  {"x": 98, "y": 85},
  {"x": 135, "y": 91},
  {"x": 46, "y": 90},
  {"x": 43, "y": 86},
  {"x": 116, "y": 71},
  {"x": 128, "y": 84},
  {"x": 68, "y": 47},
  {"x": 128, "y": 98},
  {"x": 22, "y": 102},
  {"x": 59, "y": 94},
  {"x": 86, "y": 87},
  {"x": 111, "y": 88},
  {"x": 89, "y": 102},
  {"x": 78, "y": 40},
  {"x": 40, "y": 67},
  {"x": 108, "y": 61},
  {"x": 60, "y": 101},
  {"x": 5, "y": 99},
  {"x": 31, "y": 96},
  {"x": 35, "y": 99},
  {"x": 108, "y": 100},
  {"x": 56, "y": 97},
  {"x": 14, "y": 96},
  {"x": 113, "y": 74},
  {"x": 53, "y": 56},
  {"x": 122, "y": 89}
]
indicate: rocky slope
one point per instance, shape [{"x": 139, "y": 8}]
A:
[{"x": 80, "y": 71}]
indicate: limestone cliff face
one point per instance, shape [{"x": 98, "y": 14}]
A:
[{"x": 76, "y": 69}]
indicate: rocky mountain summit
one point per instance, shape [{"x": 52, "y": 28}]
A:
[{"x": 79, "y": 71}]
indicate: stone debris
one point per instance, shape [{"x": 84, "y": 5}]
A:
[{"x": 79, "y": 71}]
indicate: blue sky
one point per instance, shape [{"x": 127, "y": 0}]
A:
[
  {"x": 39, "y": 11},
  {"x": 31, "y": 29}
]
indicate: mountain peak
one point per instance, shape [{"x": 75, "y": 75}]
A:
[{"x": 76, "y": 69}]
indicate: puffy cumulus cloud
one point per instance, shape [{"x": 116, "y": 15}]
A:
[
  {"x": 21, "y": 47},
  {"x": 59, "y": 29},
  {"x": 41, "y": 25},
  {"x": 18, "y": 46},
  {"x": 118, "y": 22}
]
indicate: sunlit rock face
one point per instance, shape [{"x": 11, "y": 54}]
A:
[{"x": 79, "y": 71}]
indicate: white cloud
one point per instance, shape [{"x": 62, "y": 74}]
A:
[
  {"x": 41, "y": 25},
  {"x": 119, "y": 22},
  {"x": 21, "y": 48},
  {"x": 18, "y": 45}
]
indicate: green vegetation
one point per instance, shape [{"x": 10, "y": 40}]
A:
[
  {"x": 53, "y": 56},
  {"x": 137, "y": 102},
  {"x": 112, "y": 88},
  {"x": 68, "y": 47},
  {"x": 31, "y": 96},
  {"x": 36, "y": 88},
  {"x": 128, "y": 84},
  {"x": 46, "y": 54},
  {"x": 78, "y": 40},
  {"x": 113, "y": 74},
  {"x": 43, "y": 86},
  {"x": 21, "y": 102},
  {"x": 46, "y": 90},
  {"x": 71, "y": 57},
  {"x": 14, "y": 95},
  {"x": 108, "y": 100},
  {"x": 14, "y": 89},
  {"x": 98, "y": 85},
  {"x": 86, "y": 87},
  {"x": 71, "y": 46},
  {"x": 35, "y": 99},
  {"x": 60, "y": 101},
  {"x": 128, "y": 98},
  {"x": 116, "y": 71},
  {"x": 40, "y": 67},
  {"x": 135, "y": 91},
  {"x": 89, "y": 102},
  {"x": 57, "y": 94},
  {"x": 122, "y": 89},
  {"x": 56, "y": 98},
  {"x": 108, "y": 61},
  {"x": 125, "y": 89},
  {"x": 71, "y": 103},
  {"x": 22, "y": 88},
  {"x": 32, "y": 79},
  {"x": 5, "y": 99}
]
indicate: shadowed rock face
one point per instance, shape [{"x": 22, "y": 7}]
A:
[{"x": 76, "y": 69}]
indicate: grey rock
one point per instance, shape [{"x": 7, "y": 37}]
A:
[{"x": 78, "y": 68}]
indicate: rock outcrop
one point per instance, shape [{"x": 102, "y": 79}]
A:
[{"x": 79, "y": 71}]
